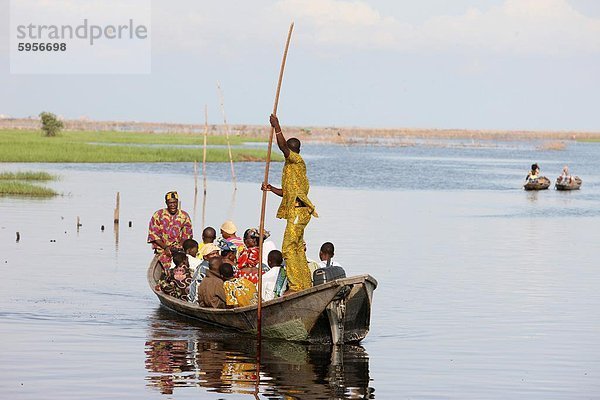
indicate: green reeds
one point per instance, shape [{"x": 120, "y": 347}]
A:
[
  {"x": 107, "y": 147},
  {"x": 18, "y": 184},
  {"x": 27, "y": 176}
]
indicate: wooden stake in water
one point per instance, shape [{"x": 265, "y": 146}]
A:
[
  {"x": 204, "y": 165},
  {"x": 195, "y": 188},
  {"x": 266, "y": 180},
  {"x": 227, "y": 135},
  {"x": 117, "y": 208}
]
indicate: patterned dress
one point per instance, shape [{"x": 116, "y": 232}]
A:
[
  {"x": 240, "y": 292},
  {"x": 247, "y": 266},
  {"x": 294, "y": 184},
  {"x": 176, "y": 288},
  {"x": 173, "y": 230}
]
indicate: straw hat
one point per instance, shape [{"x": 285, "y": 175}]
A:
[
  {"x": 209, "y": 248},
  {"x": 229, "y": 227}
]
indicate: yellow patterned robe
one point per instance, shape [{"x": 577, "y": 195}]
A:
[
  {"x": 240, "y": 292},
  {"x": 295, "y": 186}
]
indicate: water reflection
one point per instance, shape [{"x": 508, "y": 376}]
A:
[{"x": 178, "y": 355}]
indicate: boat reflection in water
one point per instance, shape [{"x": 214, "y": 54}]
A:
[{"x": 182, "y": 356}]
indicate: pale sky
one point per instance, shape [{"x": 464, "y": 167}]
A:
[{"x": 473, "y": 64}]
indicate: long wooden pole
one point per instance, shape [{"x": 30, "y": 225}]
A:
[
  {"x": 266, "y": 180},
  {"x": 204, "y": 165},
  {"x": 222, "y": 98}
]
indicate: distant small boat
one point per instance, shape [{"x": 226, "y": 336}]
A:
[
  {"x": 575, "y": 184},
  {"x": 540, "y": 183},
  {"x": 335, "y": 312}
]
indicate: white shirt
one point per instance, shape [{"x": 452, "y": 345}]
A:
[
  {"x": 269, "y": 279},
  {"x": 194, "y": 262},
  {"x": 332, "y": 263}
]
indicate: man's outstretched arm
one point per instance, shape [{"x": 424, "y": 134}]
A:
[
  {"x": 268, "y": 188},
  {"x": 281, "y": 142}
]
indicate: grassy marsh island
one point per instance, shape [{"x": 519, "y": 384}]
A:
[
  {"x": 26, "y": 184},
  {"x": 120, "y": 147}
]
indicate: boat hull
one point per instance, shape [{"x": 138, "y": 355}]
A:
[
  {"x": 574, "y": 185},
  {"x": 541, "y": 183},
  {"x": 335, "y": 312}
]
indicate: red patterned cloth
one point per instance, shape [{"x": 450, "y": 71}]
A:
[
  {"x": 248, "y": 258},
  {"x": 250, "y": 273}
]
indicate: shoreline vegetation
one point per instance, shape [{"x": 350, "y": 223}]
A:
[
  {"x": 26, "y": 183},
  {"x": 336, "y": 135},
  {"x": 29, "y": 145}
]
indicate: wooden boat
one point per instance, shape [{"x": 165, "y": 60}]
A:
[
  {"x": 540, "y": 183},
  {"x": 335, "y": 312},
  {"x": 574, "y": 185}
]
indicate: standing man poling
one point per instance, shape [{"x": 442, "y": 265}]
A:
[{"x": 295, "y": 207}]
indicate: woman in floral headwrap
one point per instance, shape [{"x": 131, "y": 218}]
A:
[{"x": 249, "y": 260}]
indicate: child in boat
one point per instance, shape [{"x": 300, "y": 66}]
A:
[
  {"x": 177, "y": 284},
  {"x": 274, "y": 281},
  {"x": 239, "y": 292},
  {"x": 326, "y": 256},
  {"x": 534, "y": 173},
  {"x": 209, "y": 235},
  {"x": 190, "y": 247}
]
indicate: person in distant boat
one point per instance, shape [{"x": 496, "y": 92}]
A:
[
  {"x": 296, "y": 208},
  {"x": 168, "y": 229},
  {"x": 534, "y": 173},
  {"x": 565, "y": 177},
  {"x": 209, "y": 235},
  {"x": 326, "y": 256},
  {"x": 239, "y": 292},
  {"x": 209, "y": 251},
  {"x": 229, "y": 233},
  {"x": 210, "y": 291},
  {"x": 178, "y": 283}
]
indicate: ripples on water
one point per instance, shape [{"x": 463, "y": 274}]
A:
[{"x": 485, "y": 291}]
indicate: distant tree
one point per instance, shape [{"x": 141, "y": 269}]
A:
[{"x": 50, "y": 124}]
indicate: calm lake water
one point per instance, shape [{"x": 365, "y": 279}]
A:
[{"x": 485, "y": 291}]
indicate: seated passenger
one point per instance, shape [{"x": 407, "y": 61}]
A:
[
  {"x": 248, "y": 259},
  {"x": 229, "y": 233},
  {"x": 209, "y": 251},
  {"x": 210, "y": 291},
  {"x": 177, "y": 283},
  {"x": 326, "y": 254},
  {"x": 534, "y": 173},
  {"x": 239, "y": 292},
  {"x": 190, "y": 247},
  {"x": 208, "y": 236},
  {"x": 275, "y": 279},
  {"x": 228, "y": 252},
  {"x": 565, "y": 177}
]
